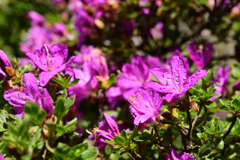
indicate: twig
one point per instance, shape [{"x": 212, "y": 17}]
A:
[
  {"x": 230, "y": 128},
  {"x": 193, "y": 124},
  {"x": 198, "y": 154},
  {"x": 190, "y": 128}
]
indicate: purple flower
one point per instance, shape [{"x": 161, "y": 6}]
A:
[
  {"x": 235, "y": 10},
  {"x": 51, "y": 60},
  {"x": 145, "y": 106},
  {"x": 59, "y": 29},
  {"x": 221, "y": 81},
  {"x": 236, "y": 86},
  {"x": 1, "y": 157},
  {"x": 5, "y": 65},
  {"x": 85, "y": 85},
  {"x": 211, "y": 3},
  {"x": 31, "y": 93},
  {"x": 176, "y": 156},
  {"x": 129, "y": 25},
  {"x": 84, "y": 23},
  {"x": 114, "y": 95},
  {"x": 174, "y": 81},
  {"x": 107, "y": 129},
  {"x": 133, "y": 76},
  {"x": 157, "y": 31},
  {"x": 200, "y": 56},
  {"x": 36, "y": 37},
  {"x": 37, "y": 19},
  {"x": 185, "y": 61},
  {"x": 94, "y": 2},
  {"x": 100, "y": 68}
]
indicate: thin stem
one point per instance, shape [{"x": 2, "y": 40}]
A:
[
  {"x": 193, "y": 124},
  {"x": 230, "y": 128},
  {"x": 190, "y": 128}
]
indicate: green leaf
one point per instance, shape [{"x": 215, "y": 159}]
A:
[
  {"x": 124, "y": 134},
  {"x": 220, "y": 145},
  {"x": 236, "y": 104},
  {"x": 211, "y": 72},
  {"x": 119, "y": 139},
  {"x": 3, "y": 116},
  {"x": 138, "y": 139},
  {"x": 62, "y": 150},
  {"x": 210, "y": 104},
  {"x": 135, "y": 132},
  {"x": 108, "y": 150},
  {"x": 147, "y": 133},
  {"x": 71, "y": 126},
  {"x": 69, "y": 102},
  {"x": 79, "y": 149},
  {"x": 73, "y": 83},
  {"x": 41, "y": 117},
  {"x": 31, "y": 109},
  {"x": 89, "y": 154},
  {"x": 59, "y": 109}
]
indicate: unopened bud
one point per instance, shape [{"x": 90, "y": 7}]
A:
[
  {"x": 194, "y": 106},
  {"x": 10, "y": 71},
  {"x": 165, "y": 117}
]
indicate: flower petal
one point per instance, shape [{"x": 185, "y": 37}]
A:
[
  {"x": 31, "y": 85},
  {"x": 193, "y": 79},
  {"x": 47, "y": 103},
  {"x": 16, "y": 98},
  {"x": 158, "y": 87}
]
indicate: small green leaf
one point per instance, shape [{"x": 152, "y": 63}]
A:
[
  {"x": 59, "y": 109},
  {"x": 69, "y": 102},
  {"x": 3, "y": 116},
  {"x": 71, "y": 126},
  {"x": 135, "y": 132},
  {"x": 110, "y": 142},
  {"x": 220, "y": 145},
  {"x": 236, "y": 104},
  {"x": 147, "y": 133},
  {"x": 89, "y": 154},
  {"x": 211, "y": 72},
  {"x": 62, "y": 150},
  {"x": 31, "y": 109},
  {"x": 108, "y": 150},
  {"x": 119, "y": 139},
  {"x": 79, "y": 149},
  {"x": 73, "y": 83},
  {"x": 138, "y": 139}
]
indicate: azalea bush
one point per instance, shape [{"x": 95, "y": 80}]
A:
[{"x": 111, "y": 79}]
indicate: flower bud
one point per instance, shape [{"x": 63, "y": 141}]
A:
[
  {"x": 10, "y": 71},
  {"x": 194, "y": 106},
  {"x": 165, "y": 117}
]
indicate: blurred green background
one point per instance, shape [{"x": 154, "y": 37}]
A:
[{"x": 14, "y": 22}]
